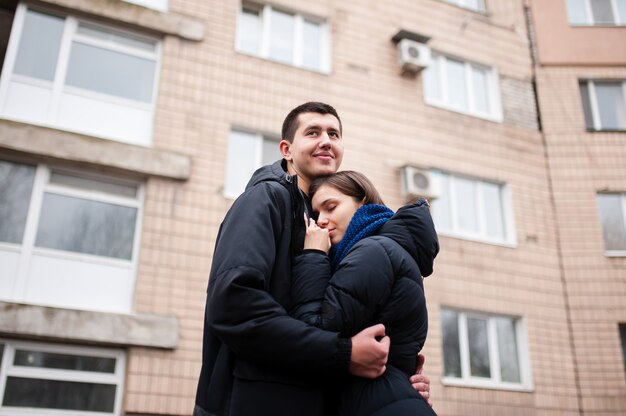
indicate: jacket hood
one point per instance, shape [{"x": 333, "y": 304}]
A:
[
  {"x": 412, "y": 227},
  {"x": 276, "y": 172}
]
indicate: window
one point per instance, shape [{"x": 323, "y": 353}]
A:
[
  {"x": 80, "y": 76},
  {"x": 484, "y": 350},
  {"x": 604, "y": 104},
  {"x": 59, "y": 230},
  {"x": 463, "y": 87},
  {"x": 246, "y": 153},
  {"x": 284, "y": 37},
  {"x": 612, "y": 211},
  {"x": 472, "y": 209},
  {"x": 622, "y": 335},
  {"x": 596, "y": 12},
  {"x": 45, "y": 379},
  {"x": 161, "y": 5},
  {"x": 475, "y": 5}
]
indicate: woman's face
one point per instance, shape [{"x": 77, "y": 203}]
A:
[{"x": 335, "y": 211}]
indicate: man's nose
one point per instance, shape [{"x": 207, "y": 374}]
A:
[{"x": 324, "y": 140}]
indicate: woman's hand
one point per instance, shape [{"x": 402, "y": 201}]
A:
[{"x": 316, "y": 238}]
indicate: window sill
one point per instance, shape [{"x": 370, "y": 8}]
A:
[
  {"x": 165, "y": 23},
  {"x": 485, "y": 384},
  {"x": 493, "y": 118},
  {"x": 606, "y": 130},
  {"x": 62, "y": 145},
  {"x": 268, "y": 59},
  {"x": 112, "y": 329},
  {"x": 478, "y": 239},
  {"x": 615, "y": 253}
]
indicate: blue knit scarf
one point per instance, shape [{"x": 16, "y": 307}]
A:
[{"x": 365, "y": 222}]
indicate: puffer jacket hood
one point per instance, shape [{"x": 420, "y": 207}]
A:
[
  {"x": 276, "y": 172},
  {"x": 412, "y": 227}
]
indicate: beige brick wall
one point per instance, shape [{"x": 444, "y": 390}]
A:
[
  {"x": 207, "y": 87},
  {"x": 581, "y": 164}
]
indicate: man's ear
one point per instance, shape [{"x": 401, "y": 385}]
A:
[{"x": 285, "y": 149}]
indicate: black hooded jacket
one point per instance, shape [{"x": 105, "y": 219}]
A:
[
  {"x": 248, "y": 334},
  {"x": 378, "y": 281}
]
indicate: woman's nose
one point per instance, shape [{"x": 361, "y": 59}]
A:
[{"x": 322, "y": 221}]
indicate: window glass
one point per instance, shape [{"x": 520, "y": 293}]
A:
[
  {"x": 281, "y": 36},
  {"x": 432, "y": 81},
  {"x": 507, "y": 348},
  {"x": 441, "y": 207},
  {"x": 111, "y": 72},
  {"x": 84, "y": 226},
  {"x": 576, "y": 11},
  {"x": 134, "y": 42},
  {"x": 271, "y": 152},
  {"x": 457, "y": 90},
  {"x": 451, "y": 348},
  {"x": 29, "y": 358},
  {"x": 584, "y": 93},
  {"x": 39, "y": 46},
  {"x": 249, "y": 32},
  {"x": 481, "y": 89},
  {"x": 311, "y": 45},
  {"x": 241, "y": 161},
  {"x": 612, "y": 218},
  {"x": 99, "y": 185},
  {"x": 478, "y": 347},
  {"x": 16, "y": 185},
  {"x": 622, "y": 334},
  {"x": 611, "y": 105},
  {"x": 466, "y": 204},
  {"x": 493, "y": 210},
  {"x": 56, "y": 394},
  {"x": 621, "y": 9},
  {"x": 602, "y": 12}
]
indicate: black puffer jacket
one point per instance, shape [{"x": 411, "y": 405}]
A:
[
  {"x": 378, "y": 281},
  {"x": 256, "y": 359}
]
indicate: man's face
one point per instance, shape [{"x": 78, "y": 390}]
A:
[{"x": 316, "y": 149}]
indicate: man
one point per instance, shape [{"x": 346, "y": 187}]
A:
[{"x": 256, "y": 359}]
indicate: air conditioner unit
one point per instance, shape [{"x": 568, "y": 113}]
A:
[
  {"x": 418, "y": 182},
  {"x": 413, "y": 56}
]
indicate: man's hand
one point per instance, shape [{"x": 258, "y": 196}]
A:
[
  {"x": 420, "y": 381},
  {"x": 369, "y": 356}
]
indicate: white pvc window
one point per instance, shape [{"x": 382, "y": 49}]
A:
[
  {"x": 475, "y": 5},
  {"x": 161, "y": 5},
  {"x": 597, "y": 12},
  {"x": 472, "y": 209},
  {"x": 246, "y": 153},
  {"x": 283, "y": 36},
  {"x": 462, "y": 86},
  {"x": 68, "y": 73},
  {"x": 612, "y": 212},
  {"x": 49, "y": 379},
  {"x": 484, "y": 350},
  {"x": 67, "y": 239},
  {"x": 604, "y": 104}
]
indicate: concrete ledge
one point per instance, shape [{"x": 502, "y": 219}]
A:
[
  {"x": 87, "y": 150},
  {"x": 166, "y": 23},
  {"x": 67, "y": 325}
]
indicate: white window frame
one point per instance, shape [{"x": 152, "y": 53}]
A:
[
  {"x": 493, "y": 86},
  {"x": 57, "y": 85},
  {"x": 259, "y": 139},
  {"x": 593, "y": 102},
  {"x": 464, "y": 4},
  {"x": 616, "y": 253},
  {"x": 27, "y": 247},
  {"x": 265, "y": 12},
  {"x": 7, "y": 369},
  {"x": 481, "y": 236},
  {"x": 618, "y": 19},
  {"x": 495, "y": 382}
]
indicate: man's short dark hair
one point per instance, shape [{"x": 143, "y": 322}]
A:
[{"x": 290, "y": 125}]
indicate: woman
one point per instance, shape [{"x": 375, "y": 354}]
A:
[{"x": 373, "y": 274}]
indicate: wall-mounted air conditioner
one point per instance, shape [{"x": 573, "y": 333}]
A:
[
  {"x": 417, "y": 183},
  {"x": 413, "y": 56}
]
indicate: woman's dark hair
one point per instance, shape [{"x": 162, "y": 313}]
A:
[
  {"x": 290, "y": 125},
  {"x": 351, "y": 183}
]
